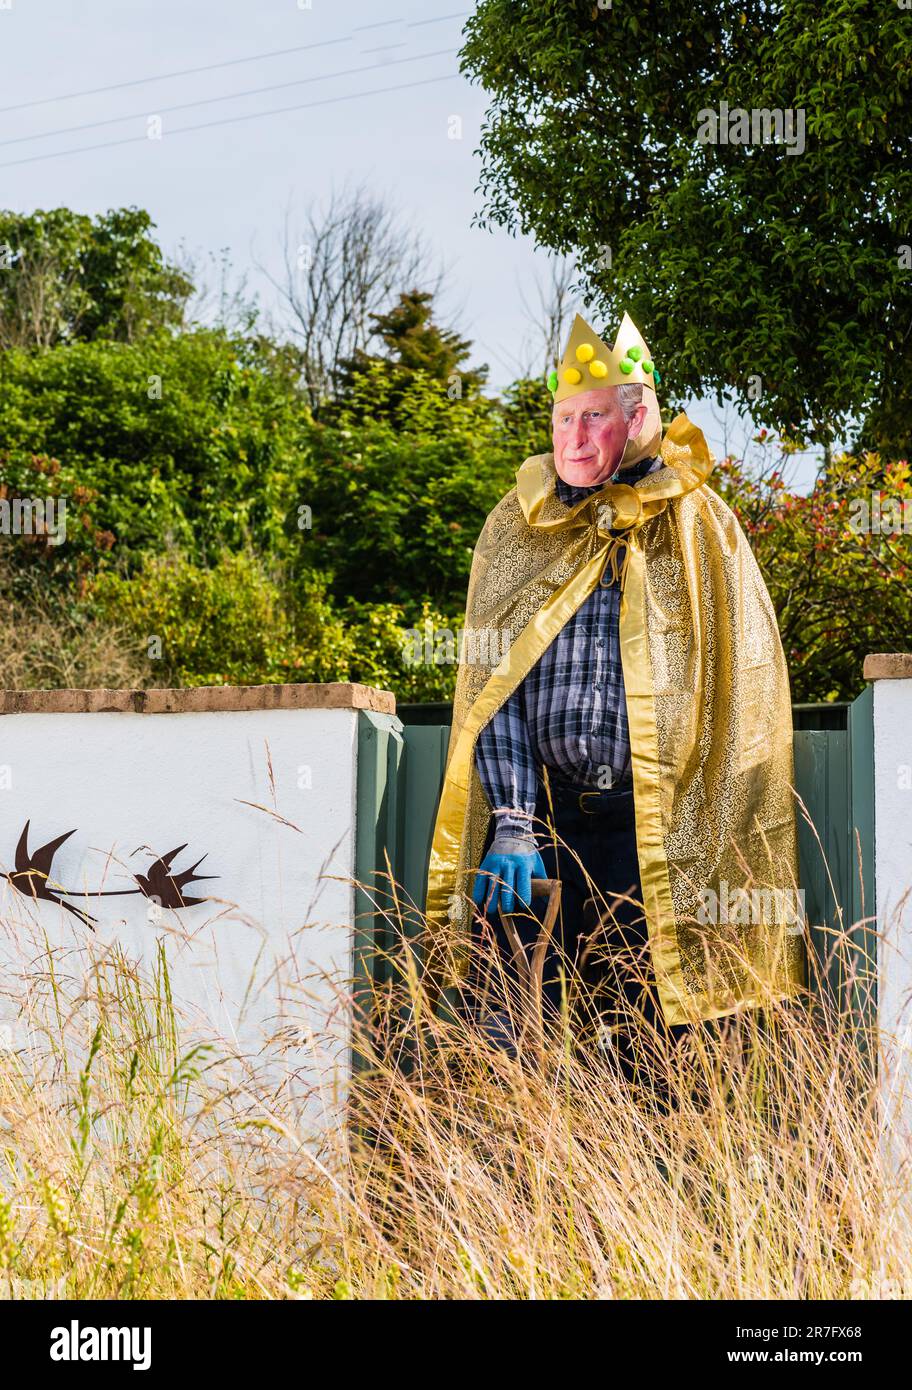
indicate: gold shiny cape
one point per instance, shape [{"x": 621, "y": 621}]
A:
[{"x": 708, "y": 707}]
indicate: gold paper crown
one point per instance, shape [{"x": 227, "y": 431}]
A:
[{"x": 587, "y": 362}]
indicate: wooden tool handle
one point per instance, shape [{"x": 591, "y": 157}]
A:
[{"x": 530, "y": 971}]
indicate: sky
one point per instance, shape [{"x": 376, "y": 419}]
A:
[{"x": 319, "y": 96}]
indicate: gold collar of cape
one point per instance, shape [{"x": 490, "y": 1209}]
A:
[{"x": 594, "y": 533}]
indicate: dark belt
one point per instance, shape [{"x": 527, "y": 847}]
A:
[{"x": 594, "y": 802}]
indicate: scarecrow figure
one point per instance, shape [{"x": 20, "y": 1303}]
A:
[{"x": 635, "y": 741}]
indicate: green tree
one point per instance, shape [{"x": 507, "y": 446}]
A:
[
  {"x": 402, "y": 490},
  {"x": 225, "y": 623},
  {"x": 66, "y": 277},
  {"x": 197, "y": 438},
  {"x": 753, "y": 267},
  {"x": 414, "y": 343},
  {"x": 838, "y": 564},
  {"x": 205, "y": 504}
]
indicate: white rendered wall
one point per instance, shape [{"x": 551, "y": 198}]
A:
[
  {"x": 272, "y": 946},
  {"x": 893, "y": 887}
]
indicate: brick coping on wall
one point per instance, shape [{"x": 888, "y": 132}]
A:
[
  {"x": 329, "y": 695},
  {"x": 200, "y": 699},
  {"x": 888, "y": 666}
]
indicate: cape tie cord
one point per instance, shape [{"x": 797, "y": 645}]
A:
[
  {"x": 617, "y": 551},
  {"x": 618, "y": 570}
]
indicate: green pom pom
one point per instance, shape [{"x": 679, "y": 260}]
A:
[
  {"x": 626, "y": 366},
  {"x": 657, "y": 376},
  {"x": 552, "y": 381},
  {"x": 635, "y": 353},
  {"x": 647, "y": 365}
]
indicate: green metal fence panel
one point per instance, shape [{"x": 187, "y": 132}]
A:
[
  {"x": 822, "y": 784},
  {"x": 834, "y": 779},
  {"x": 861, "y": 753},
  {"x": 377, "y": 813},
  {"x": 862, "y": 906},
  {"x": 400, "y": 773},
  {"x": 423, "y": 763}
]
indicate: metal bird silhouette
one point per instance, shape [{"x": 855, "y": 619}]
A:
[
  {"x": 167, "y": 888},
  {"x": 160, "y": 884},
  {"x": 31, "y": 875}
]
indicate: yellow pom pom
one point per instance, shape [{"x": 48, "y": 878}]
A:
[
  {"x": 572, "y": 376},
  {"x": 598, "y": 368},
  {"x": 585, "y": 352}
]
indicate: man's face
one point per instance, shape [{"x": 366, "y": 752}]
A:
[{"x": 590, "y": 433}]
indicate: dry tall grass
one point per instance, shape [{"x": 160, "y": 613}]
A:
[
  {"x": 141, "y": 1159},
  {"x": 46, "y": 646}
]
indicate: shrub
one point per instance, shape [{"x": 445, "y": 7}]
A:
[{"x": 225, "y": 624}]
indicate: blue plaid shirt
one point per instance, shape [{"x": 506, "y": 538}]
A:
[{"x": 570, "y": 712}]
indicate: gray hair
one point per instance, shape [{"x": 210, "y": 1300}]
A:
[{"x": 630, "y": 395}]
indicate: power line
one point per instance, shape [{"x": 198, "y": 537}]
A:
[
  {"x": 212, "y": 67},
  {"x": 231, "y": 120},
  {"x": 163, "y": 76},
  {"x": 229, "y": 96}
]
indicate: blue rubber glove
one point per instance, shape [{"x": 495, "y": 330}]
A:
[{"x": 505, "y": 878}]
